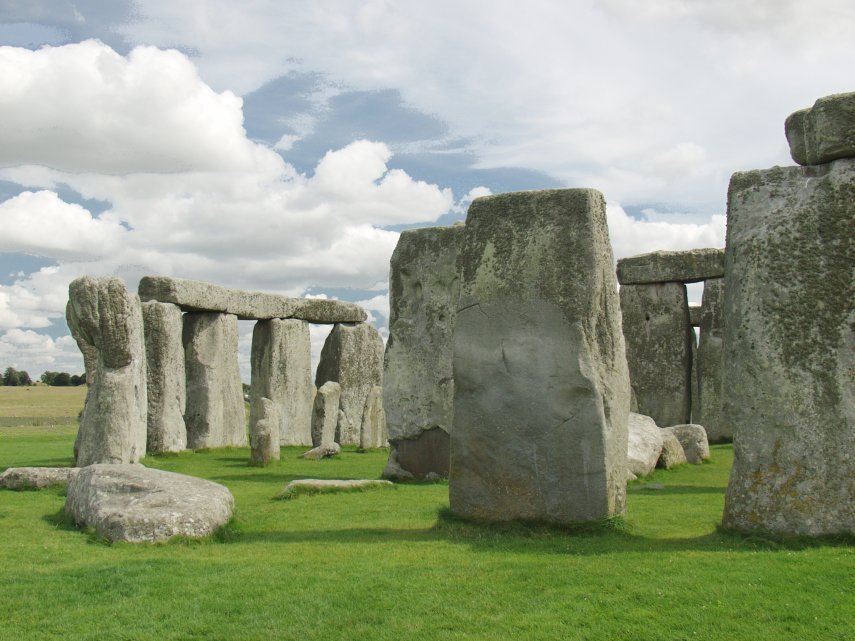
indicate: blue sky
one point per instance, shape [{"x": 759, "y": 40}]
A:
[{"x": 282, "y": 146}]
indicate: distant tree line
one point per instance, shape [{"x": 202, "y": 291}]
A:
[{"x": 12, "y": 377}]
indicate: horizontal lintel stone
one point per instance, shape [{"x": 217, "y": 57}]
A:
[{"x": 689, "y": 266}]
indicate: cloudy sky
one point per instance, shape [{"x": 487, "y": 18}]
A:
[{"x": 281, "y": 145}]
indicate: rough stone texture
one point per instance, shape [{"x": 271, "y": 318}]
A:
[
  {"x": 322, "y": 451},
  {"x": 824, "y": 132},
  {"x": 672, "y": 452},
  {"x": 281, "y": 362},
  {"x": 694, "y": 386},
  {"x": 710, "y": 352},
  {"x": 789, "y": 349},
  {"x": 192, "y": 295},
  {"x": 693, "y": 438},
  {"x": 695, "y": 314},
  {"x": 373, "y": 432},
  {"x": 264, "y": 433},
  {"x": 352, "y": 356},
  {"x": 418, "y": 392},
  {"x": 541, "y": 386},
  {"x": 103, "y": 315},
  {"x": 90, "y": 352},
  {"x": 666, "y": 266},
  {"x": 659, "y": 350},
  {"x": 214, "y": 415},
  {"x": 325, "y": 485},
  {"x": 325, "y": 413},
  {"x": 644, "y": 446},
  {"x": 36, "y": 478},
  {"x": 137, "y": 504},
  {"x": 163, "y": 325}
]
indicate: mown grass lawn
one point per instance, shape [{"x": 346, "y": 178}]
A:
[{"x": 393, "y": 565}]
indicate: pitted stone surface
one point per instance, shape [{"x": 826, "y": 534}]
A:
[
  {"x": 192, "y": 295},
  {"x": 666, "y": 266},
  {"x": 166, "y": 382},
  {"x": 137, "y": 504},
  {"x": 36, "y": 478},
  {"x": 789, "y": 349},
  {"x": 264, "y": 433},
  {"x": 710, "y": 352},
  {"x": 694, "y": 440},
  {"x": 695, "y": 314},
  {"x": 645, "y": 444},
  {"x": 824, "y": 132},
  {"x": 541, "y": 386},
  {"x": 373, "y": 433},
  {"x": 325, "y": 413}
]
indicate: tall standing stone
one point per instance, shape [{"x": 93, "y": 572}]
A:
[
  {"x": 352, "y": 356},
  {"x": 325, "y": 414},
  {"x": 709, "y": 363},
  {"x": 106, "y": 317},
  {"x": 659, "y": 350},
  {"x": 418, "y": 387},
  {"x": 264, "y": 433},
  {"x": 789, "y": 349},
  {"x": 163, "y": 325},
  {"x": 214, "y": 412},
  {"x": 282, "y": 372},
  {"x": 541, "y": 396},
  {"x": 374, "y": 432}
]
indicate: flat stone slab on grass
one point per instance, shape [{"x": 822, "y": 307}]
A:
[
  {"x": 689, "y": 266},
  {"x": 326, "y": 486},
  {"x": 141, "y": 505},
  {"x": 36, "y": 478}
]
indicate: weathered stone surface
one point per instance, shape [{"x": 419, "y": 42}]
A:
[
  {"x": 427, "y": 453},
  {"x": 695, "y": 315},
  {"x": 192, "y": 295},
  {"x": 214, "y": 414},
  {"x": 418, "y": 388},
  {"x": 541, "y": 386},
  {"x": 694, "y": 387},
  {"x": 282, "y": 372},
  {"x": 672, "y": 452},
  {"x": 322, "y": 451},
  {"x": 694, "y": 440},
  {"x": 264, "y": 433},
  {"x": 300, "y": 486},
  {"x": 789, "y": 349},
  {"x": 824, "y": 132},
  {"x": 102, "y": 314},
  {"x": 137, "y": 504},
  {"x": 709, "y": 364},
  {"x": 658, "y": 350},
  {"x": 352, "y": 356},
  {"x": 163, "y": 325},
  {"x": 36, "y": 478},
  {"x": 373, "y": 432},
  {"x": 644, "y": 446},
  {"x": 325, "y": 413},
  {"x": 666, "y": 266}
]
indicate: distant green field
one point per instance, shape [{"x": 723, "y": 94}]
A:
[
  {"x": 392, "y": 564},
  {"x": 40, "y": 405}
]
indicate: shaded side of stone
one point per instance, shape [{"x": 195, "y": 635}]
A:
[
  {"x": 163, "y": 326},
  {"x": 672, "y": 453},
  {"x": 425, "y": 454},
  {"x": 710, "y": 352},
  {"x": 694, "y": 384},
  {"x": 689, "y": 266}
]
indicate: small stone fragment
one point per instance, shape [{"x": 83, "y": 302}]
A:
[{"x": 323, "y": 451}]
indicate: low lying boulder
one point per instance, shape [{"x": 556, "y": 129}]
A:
[
  {"x": 329, "y": 486},
  {"x": 672, "y": 452},
  {"x": 645, "y": 444},
  {"x": 137, "y": 504},
  {"x": 36, "y": 478},
  {"x": 693, "y": 438},
  {"x": 323, "y": 451}
]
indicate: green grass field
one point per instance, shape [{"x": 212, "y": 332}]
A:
[{"x": 393, "y": 565}]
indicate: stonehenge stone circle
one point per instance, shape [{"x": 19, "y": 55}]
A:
[
  {"x": 541, "y": 395},
  {"x": 789, "y": 343},
  {"x": 264, "y": 433},
  {"x": 689, "y": 266},
  {"x": 214, "y": 413},
  {"x": 824, "y": 132},
  {"x": 373, "y": 432},
  {"x": 709, "y": 363},
  {"x": 103, "y": 315},
  {"x": 166, "y": 381},
  {"x": 325, "y": 414},
  {"x": 352, "y": 356},
  {"x": 418, "y": 387}
]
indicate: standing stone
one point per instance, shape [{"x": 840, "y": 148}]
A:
[
  {"x": 214, "y": 414},
  {"x": 789, "y": 349},
  {"x": 541, "y": 397},
  {"x": 164, "y": 352},
  {"x": 106, "y": 317},
  {"x": 353, "y": 357},
  {"x": 325, "y": 414},
  {"x": 694, "y": 384},
  {"x": 709, "y": 363},
  {"x": 264, "y": 433},
  {"x": 418, "y": 387},
  {"x": 373, "y": 434},
  {"x": 659, "y": 350},
  {"x": 282, "y": 372}
]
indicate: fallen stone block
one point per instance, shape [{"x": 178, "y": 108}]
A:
[
  {"x": 322, "y": 451},
  {"x": 302, "y": 487},
  {"x": 693, "y": 438},
  {"x": 36, "y": 478}
]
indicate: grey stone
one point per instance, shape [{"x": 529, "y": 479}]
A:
[
  {"x": 672, "y": 453},
  {"x": 137, "y": 504},
  {"x": 264, "y": 433},
  {"x": 709, "y": 364},
  {"x": 695, "y": 314},
  {"x": 418, "y": 388},
  {"x": 693, "y": 438},
  {"x": 105, "y": 316},
  {"x": 689, "y": 266},
  {"x": 644, "y": 444},
  {"x": 373, "y": 432},
  {"x": 325, "y": 414},
  {"x": 281, "y": 362},
  {"x": 300, "y": 486},
  {"x": 789, "y": 349},
  {"x": 393, "y": 469},
  {"x": 352, "y": 356},
  {"x": 694, "y": 386},
  {"x": 824, "y": 132},
  {"x": 541, "y": 387},
  {"x": 659, "y": 350},
  {"x": 166, "y": 382},
  {"x": 322, "y": 451},
  {"x": 214, "y": 415},
  {"x": 36, "y": 478},
  {"x": 192, "y": 295}
]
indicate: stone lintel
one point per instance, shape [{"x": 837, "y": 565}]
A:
[{"x": 689, "y": 266}]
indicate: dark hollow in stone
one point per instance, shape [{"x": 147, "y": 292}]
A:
[{"x": 429, "y": 452}]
